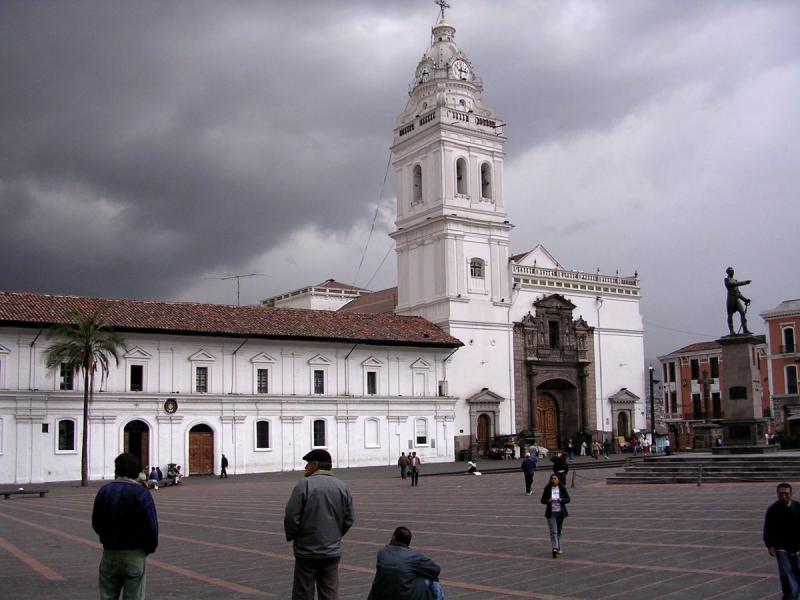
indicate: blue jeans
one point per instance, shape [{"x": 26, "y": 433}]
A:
[
  {"x": 437, "y": 593},
  {"x": 555, "y": 522},
  {"x": 789, "y": 571}
]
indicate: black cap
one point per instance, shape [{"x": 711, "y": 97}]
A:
[{"x": 318, "y": 455}]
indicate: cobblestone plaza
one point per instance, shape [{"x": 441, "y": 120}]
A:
[{"x": 224, "y": 538}]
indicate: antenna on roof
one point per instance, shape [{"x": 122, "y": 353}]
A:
[{"x": 237, "y": 278}]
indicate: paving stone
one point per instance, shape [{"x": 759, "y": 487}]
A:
[{"x": 224, "y": 538}]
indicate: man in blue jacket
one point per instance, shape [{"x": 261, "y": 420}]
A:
[
  {"x": 124, "y": 516},
  {"x": 318, "y": 514},
  {"x": 403, "y": 573}
]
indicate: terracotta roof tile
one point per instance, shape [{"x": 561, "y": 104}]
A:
[
  {"x": 224, "y": 320},
  {"x": 383, "y": 301}
]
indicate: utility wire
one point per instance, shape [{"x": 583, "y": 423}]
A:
[
  {"x": 680, "y": 330},
  {"x": 385, "y": 256},
  {"x": 374, "y": 217}
]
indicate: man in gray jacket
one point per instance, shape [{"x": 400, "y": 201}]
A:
[
  {"x": 403, "y": 573},
  {"x": 318, "y": 514}
]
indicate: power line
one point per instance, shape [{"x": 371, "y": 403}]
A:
[
  {"x": 385, "y": 256},
  {"x": 680, "y": 330},
  {"x": 374, "y": 217}
]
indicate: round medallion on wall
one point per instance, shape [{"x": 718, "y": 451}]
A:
[{"x": 171, "y": 406}]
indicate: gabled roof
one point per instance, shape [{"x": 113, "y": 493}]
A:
[
  {"x": 787, "y": 308},
  {"x": 187, "y": 318},
  {"x": 539, "y": 256},
  {"x": 383, "y": 301}
]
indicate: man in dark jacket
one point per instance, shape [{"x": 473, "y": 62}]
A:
[
  {"x": 318, "y": 514},
  {"x": 124, "y": 516},
  {"x": 560, "y": 467},
  {"x": 404, "y": 574},
  {"x": 782, "y": 538},
  {"x": 528, "y": 469}
]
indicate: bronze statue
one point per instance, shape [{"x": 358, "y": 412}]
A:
[{"x": 736, "y": 300}]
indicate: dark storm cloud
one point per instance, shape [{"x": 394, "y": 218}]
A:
[
  {"x": 208, "y": 131},
  {"x": 145, "y": 147}
]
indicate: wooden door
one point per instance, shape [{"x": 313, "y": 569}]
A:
[
  {"x": 547, "y": 420},
  {"x": 483, "y": 434},
  {"x": 201, "y": 453}
]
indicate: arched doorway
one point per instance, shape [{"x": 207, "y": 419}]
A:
[
  {"x": 547, "y": 419},
  {"x": 137, "y": 441},
  {"x": 622, "y": 424},
  {"x": 201, "y": 450},
  {"x": 484, "y": 433}
]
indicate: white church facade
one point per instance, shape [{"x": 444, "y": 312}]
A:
[{"x": 472, "y": 343}]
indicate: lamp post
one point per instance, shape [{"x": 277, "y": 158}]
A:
[
  {"x": 704, "y": 382},
  {"x": 652, "y": 409}
]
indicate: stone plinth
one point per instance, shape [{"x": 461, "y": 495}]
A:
[{"x": 743, "y": 426}]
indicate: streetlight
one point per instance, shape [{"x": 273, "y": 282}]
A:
[{"x": 652, "y": 409}]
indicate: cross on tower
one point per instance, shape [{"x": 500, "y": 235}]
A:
[{"x": 442, "y": 5}]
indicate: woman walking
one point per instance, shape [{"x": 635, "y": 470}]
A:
[{"x": 556, "y": 497}]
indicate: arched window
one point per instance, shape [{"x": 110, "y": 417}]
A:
[
  {"x": 486, "y": 181},
  {"x": 461, "y": 177},
  {"x": 417, "y": 197},
  {"x": 421, "y": 432},
  {"x": 319, "y": 433},
  {"x": 66, "y": 435},
  {"x": 788, "y": 340},
  {"x": 791, "y": 379},
  {"x": 372, "y": 433},
  {"x": 262, "y": 435},
  {"x": 476, "y": 268}
]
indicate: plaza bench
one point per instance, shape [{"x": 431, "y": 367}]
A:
[{"x": 10, "y": 493}]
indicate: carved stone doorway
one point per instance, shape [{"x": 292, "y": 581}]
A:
[
  {"x": 547, "y": 420},
  {"x": 201, "y": 450}
]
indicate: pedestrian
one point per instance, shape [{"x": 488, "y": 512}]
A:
[
  {"x": 583, "y": 448},
  {"x": 318, "y": 514},
  {"x": 403, "y": 463},
  {"x": 404, "y": 574},
  {"x": 666, "y": 446},
  {"x": 223, "y": 471},
  {"x": 124, "y": 517},
  {"x": 528, "y": 469},
  {"x": 782, "y": 538},
  {"x": 416, "y": 462},
  {"x": 560, "y": 466},
  {"x": 152, "y": 479},
  {"x": 472, "y": 469},
  {"x": 160, "y": 474},
  {"x": 596, "y": 450},
  {"x": 570, "y": 450},
  {"x": 142, "y": 476},
  {"x": 556, "y": 497},
  {"x": 606, "y": 448}
]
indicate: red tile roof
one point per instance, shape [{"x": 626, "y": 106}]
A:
[
  {"x": 383, "y": 301},
  {"x": 186, "y": 318},
  {"x": 699, "y": 347}
]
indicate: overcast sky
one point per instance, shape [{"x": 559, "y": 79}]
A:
[{"x": 148, "y": 149}]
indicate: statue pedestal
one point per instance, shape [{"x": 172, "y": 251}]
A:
[
  {"x": 704, "y": 435},
  {"x": 743, "y": 426}
]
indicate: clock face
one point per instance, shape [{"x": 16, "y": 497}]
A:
[
  {"x": 423, "y": 73},
  {"x": 460, "y": 69}
]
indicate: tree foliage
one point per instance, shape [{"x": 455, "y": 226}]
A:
[{"x": 86, "y": 343}]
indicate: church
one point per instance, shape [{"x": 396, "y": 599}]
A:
[{"x": 472, "y": 343}]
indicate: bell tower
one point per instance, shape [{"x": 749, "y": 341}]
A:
[{"x": 452, "y": 231}]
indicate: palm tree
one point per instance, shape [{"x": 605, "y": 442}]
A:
[{"x": 85, "y": 344}]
